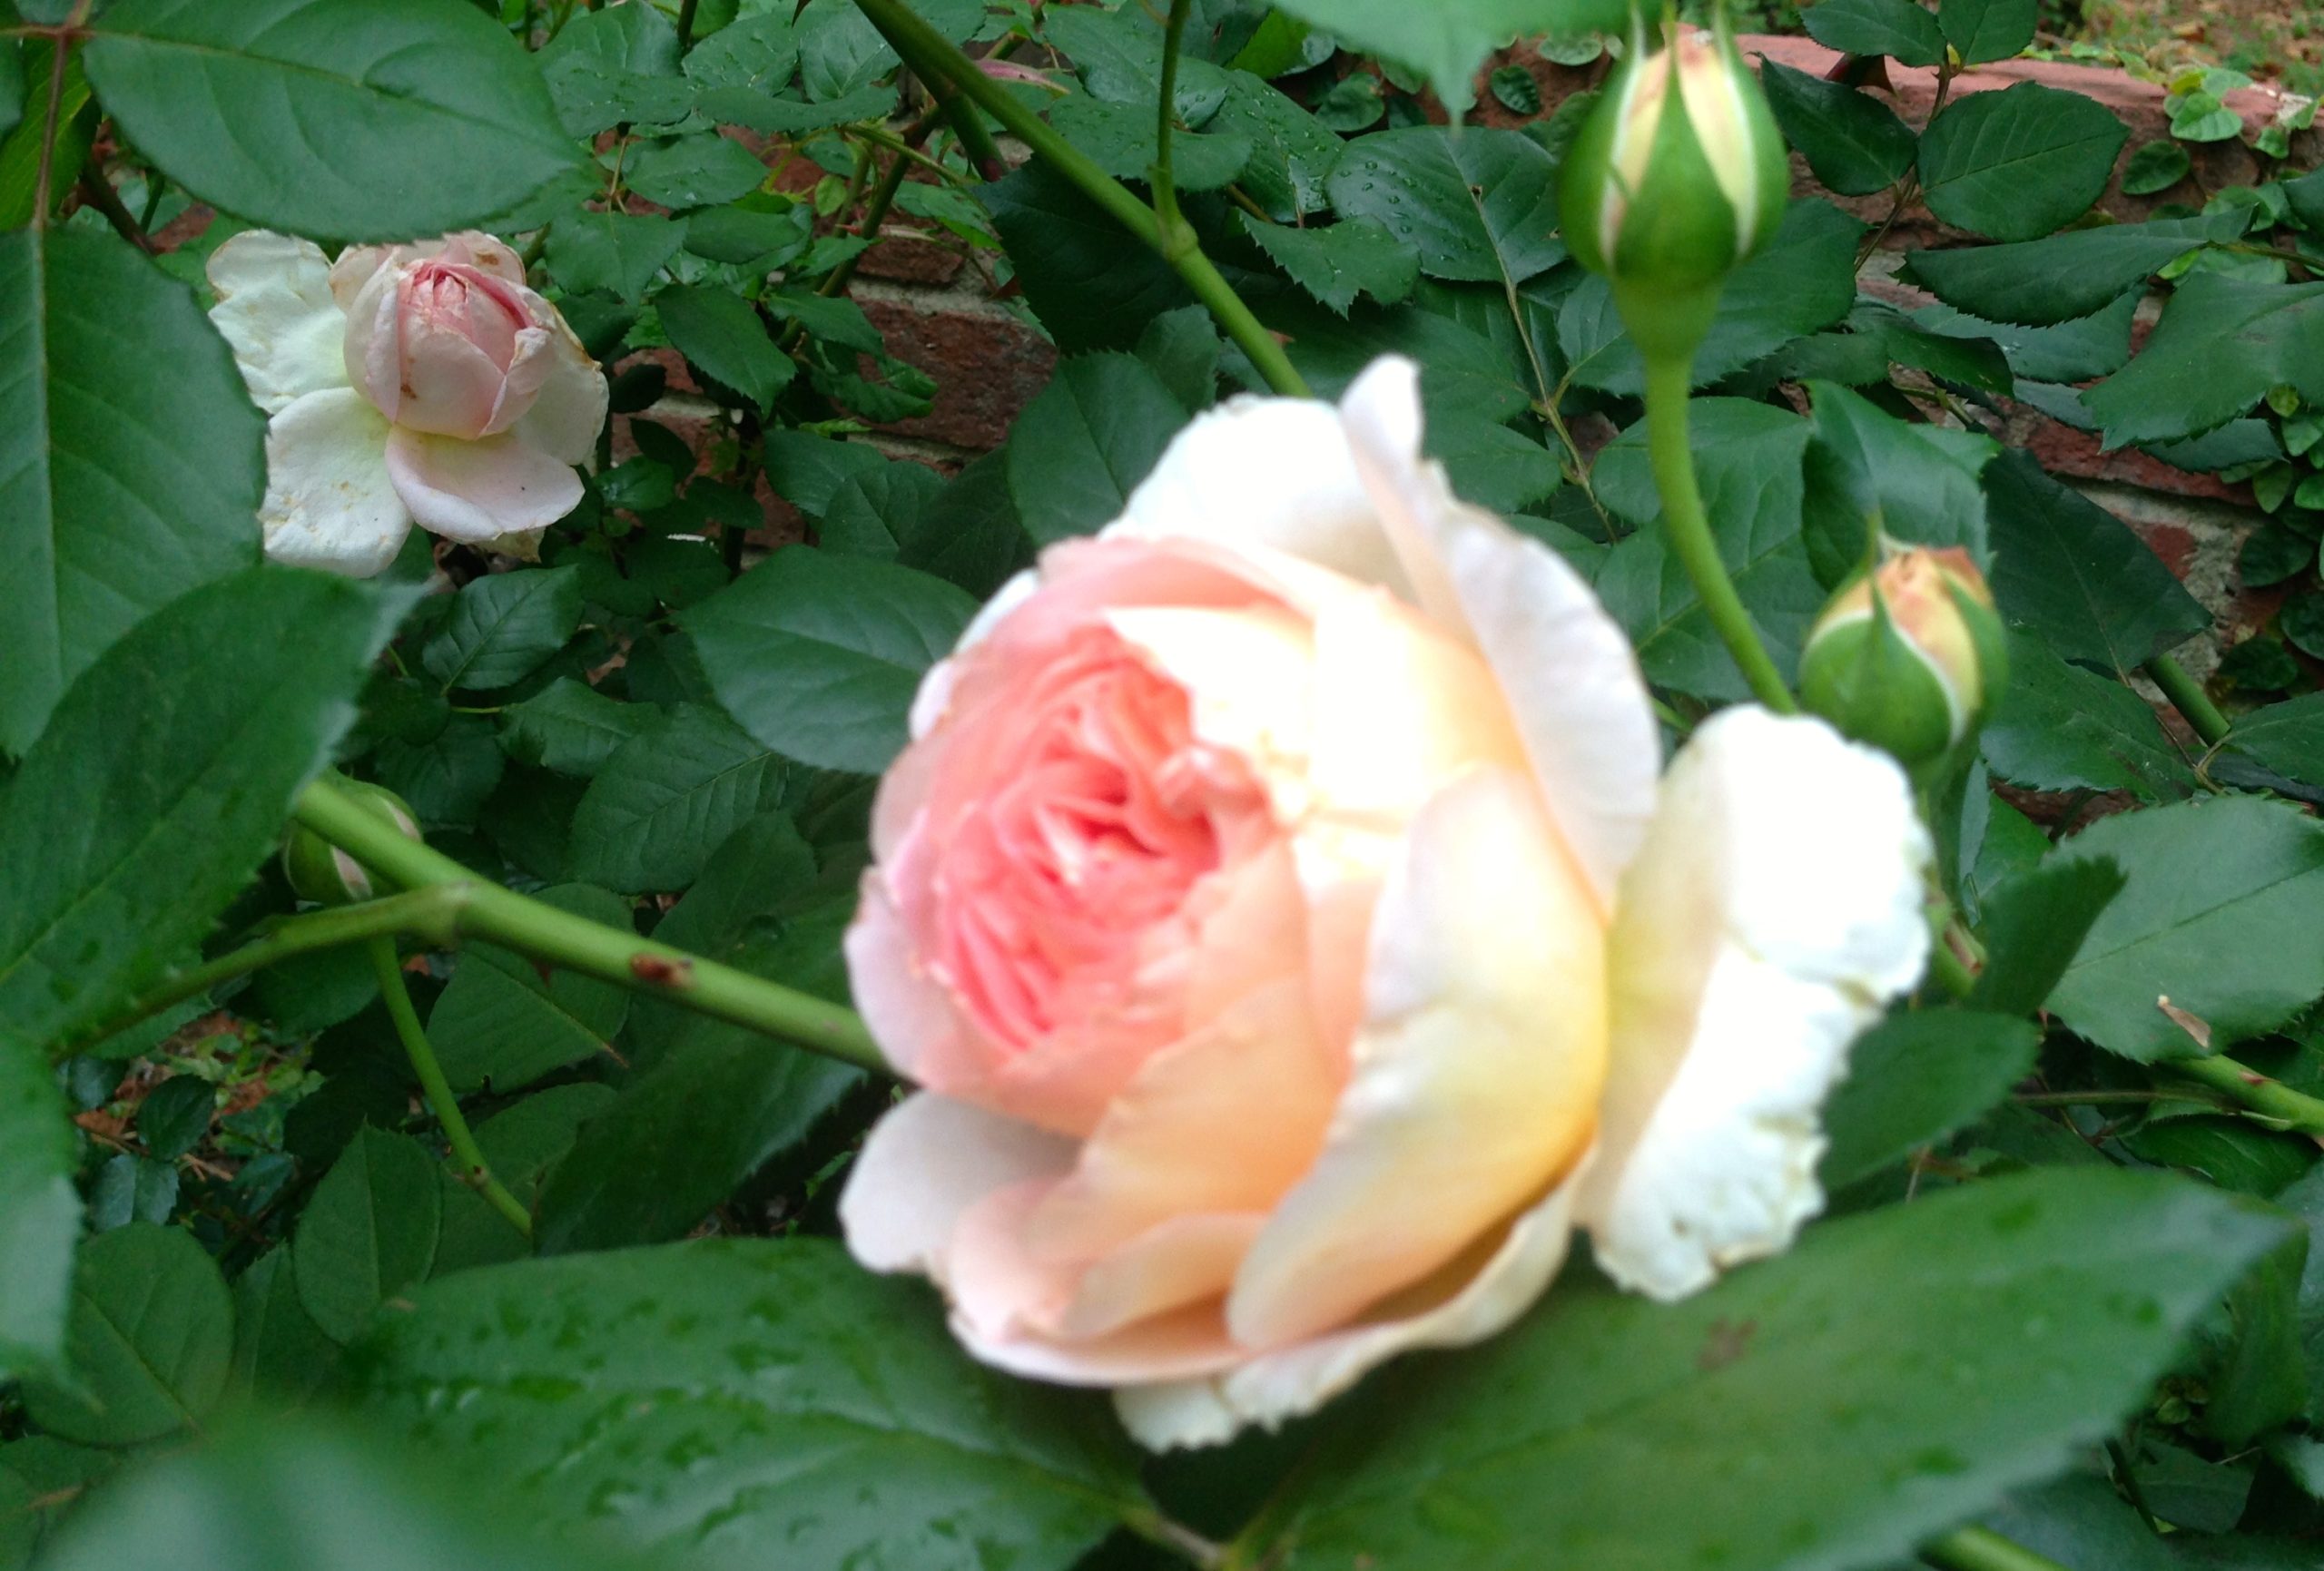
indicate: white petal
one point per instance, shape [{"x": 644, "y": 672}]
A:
[
  {"x": 479, "y": 490},
  {"x": 1776, "y": 908},
  {"x": 275, "y": 308},
  {"x": 570, "y": 410},
  {"x": 1568, "y": 674},
  {"x": 1270, "y": 471},
  {"x": 1476, "y": 1070},
  {"x": 924, "y": 1166},
  {"x": 1274, "y": 1387},
  {"x": 330, "y": 501}
]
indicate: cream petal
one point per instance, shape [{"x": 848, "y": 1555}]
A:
[
  {"x": 924, "y": 1167},
  {"x": 330, "y": 501},
  {"x": 275, "y": 309},
  {"x": 909, "y": 1014},
  {"x": 448, "y": 387},
  {"x": 477, "y": 490},
  {"x": 1570, "y": 677},
  {"x": 1187, "y": 1260},
  {"x": 1775, "y": 906},
  {"x": 1277, "y": 1385},
  {"x": 1003, "y": 1293},
  {"x": 371, "y": 353},
  {"x": 1476, "y": 1072},
  {"x": 568, "y": 410},
  {"x": 1269, "y": 472}
]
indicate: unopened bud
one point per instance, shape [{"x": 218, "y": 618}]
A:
[
  {"x": 1908, "y": 657},
  {"x": 321, "y": 872}
]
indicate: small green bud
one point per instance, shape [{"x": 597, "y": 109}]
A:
[
  {"x": 1909, "y": 657},
  {"x": 321, "y": 872},
  {"x": 1675, "y": 178}
]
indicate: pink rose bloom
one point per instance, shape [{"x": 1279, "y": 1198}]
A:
[
  {"x": 414, "y": 383},
  {"x": 1279, "y": 909}
]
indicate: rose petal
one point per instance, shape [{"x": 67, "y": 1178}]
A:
[
  {"x": 1775, "y": 906},
  {"x": 569, "y": 408},
  {"x": 476, "y": 490},
  {"x": 330, "y": 501},
  {"x": 1476, "y": 1073},
  {"x": 923, "y": 1167},
  {"x": 1564, "y": 665},
  {"x": 1275, "y": 1386},
  {"x": 275, "y": 308}
]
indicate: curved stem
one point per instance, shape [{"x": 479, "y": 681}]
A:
[
  {"x": 2247, "y": 1087},
  {"x": 1165, "y": 118},
  {"x": 2188, "y": 697},
  {"x": 1687, "y": 528},
  {"x": 933, "y": 56},
  {"x": 1982, "y": 1549},
  {"x": 474, "y": 1169},
  {"x": 561, "y": 938}
]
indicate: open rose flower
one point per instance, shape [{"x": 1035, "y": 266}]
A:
[
  {"x": 1279, "y": 909},
  {"x": 403, "y": 384}
]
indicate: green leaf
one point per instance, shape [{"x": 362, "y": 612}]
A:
[
  {"x": 2224, "y": 1151},
  {"x": 280, "y": 1353},
  {"x": 1338, "y": 263},
  {"x": 2059, "y": 728},
  {"x": 873, "y": 513},
  {"x": 2080, "y": 350},
  {"x": 1853, "y": 142},
  {"x": 748, "y": 236},
  {"x": 150, "y": 1333},
  {"x": 571, "y": 728},
  {"x": 130, "y": 1188},
  {"x": 1899, "y": 29},
  {"x": 2288, "y": 738},
  {"x": 163, "y": 777},
  {"x": 720, "y": 332},
  {"x": 1292, "y": 153},
  {"x": 616, "y": 252},
  {"x": 2067, "y": 276},
  {"x": 701, "y": 170},
  {"x": 1082, "y": 446},
  {"x": 1806, "y": 1412},
  {"x": 2222, "y": 344},
  {"x": 40, "y": 1213},
  {"x": 175, "y": 1115},
  {"x": 1447, "y": 40},
  {"x": 502, "y": 626},
  {"x": 2219, "y": 912},
  {"x": 2033, "y": 925},
  {"x": 818, "y": 655},
  {"x": 368, "y": 1233},
  {"x": 970, "y": 534},
  {"x": 664, "y": 801},
  {"x": 840, "y": 52},
  {"x": 1868, "y": 472},
  {"x": 651, "y": 1394},
  {"x": 522, "y": 1146},
  {"x": 758, "y": 52},
  {"x": 1915, "y": 1078},
  {"x": 446, "y": 778},
  {"x": 1117, "y": 54},
  {"x": 341, "y": 109},
  {"x": 2077, "y": 576},
  {"x": 2259, "y": 1378},
  {"x": 131, "y": 459},
  {"x": 2015, "y": 164},
  {"x": 1481, "y": 204},
  {"x": 807, "y": 470},
  {"x": 1091, "y": 283},
  {"x": 1119, "y": 139},
  {"x": 1489, "y": 465},
  {"x": 2155, "y": 166},
  {"x": 12, "y": 84},
  {"x": 614, "y": 65},
  {"x": 500, "y": 1023},
  {"x": 789, "y": 117},
  {"x": 1982, "y": 30}
]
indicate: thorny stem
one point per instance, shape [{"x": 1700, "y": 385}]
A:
[
  {"x": 2271, "y": 1100},
  {"x": 98, "y": 192}
]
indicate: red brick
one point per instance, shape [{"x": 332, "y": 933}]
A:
[{"x": 988, "y": 364}]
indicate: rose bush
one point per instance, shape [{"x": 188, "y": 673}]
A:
[
  {"x": 1279, "y": 908},
  {"x": 413, "y": 383}
]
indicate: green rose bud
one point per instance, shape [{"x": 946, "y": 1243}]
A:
[
  {"x": 321, "y": 872},
  {"x": 1677, "y": 176},
  {"x": 1909, "y": 657}
]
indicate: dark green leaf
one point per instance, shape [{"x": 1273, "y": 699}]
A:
[
  {"x": 818, "y": 655},
  {"x": 1982, "y": 30},
  {"x": 619, "y": 64},
  {"x": 2066, "y": 276},
  {"x": 748, "y": 237},
  {"x": 368, "y": 1233},
  {"x": 1119, "y": 139},
  {"x": 1853, "y": 142},
  {"x": 666, "y": 799},
  {"x": 720, "y": 332},
  {"x": 2219, "y": 913},
  {"x": 163, "y": 778},
  {"x": 1871, "y": 474},
  {"x": 757, "y": 52},
  {"x": 789, "y": 117},
  {"x": 571, "y": 728},
  {"x": 150, "y": 1333},
  {"x": 616, "y": 252},
  {"x": 132, "y": 1189},
  {"x": 695, "y": 171},
  {"x": 40, "y": 1213},
  {"x": 502, "y": 626},
  {"x": 2061, "y": 728},
  {"x": 1481, "y": 204},
  {"x": 1447, "y": 40},
  {"x": 1899, "y": 29},
  {"x": 1082, "y": 446},
  {"x": 1338, "y": 263},
  {"x": 2077, "y": 350},
  {"x": 1913, "y": 1079},
  {"x": 2288, "y": 738},
  {"x": 522, "y": 1145},
  {"x": 2259, "y": 1378},
  {"x": 1497, "y": 469},
  {"x": 2221, "y": 345},
  {"x": 345, "y": 114},
  {"x": 2155, "y": 166},
  {"x": 2015, "y": 164},
  {"x": 133, "y": 461},
  {"x": 447, "y": 779},
  {"x": 1806, "y": 1412},
  {"x": 2033, "y": 926},
  {"x": 2084, "y": 1525},
  {"x": 2225, "y": 1150},
  {"x": 175, "y": 1115},
  {"x": 280, "y": 1353},
  {"x": 501, "y": 1023},
  {"x": 1292, "y": 153},
  {"x": 1091, "y": 283},
  {"x": 668, "y": 1385}
]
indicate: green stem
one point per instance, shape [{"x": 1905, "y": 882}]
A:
[
  {"x": 1687, "y": 528},
  {"x": 875, "y": 214},
  {"x": 1982, "y": 1549},
  {"x": 474, "y": 1169},
  {"x": 1165, "y": 118},
  {"x": 561, "y": 938},
  {"x": 1951, "y": 972},
  {"x": 2246, "y": 1086},
  {"x": 432, "y": 913},
  {"x": 935, "y": 58},
  {"x": 686, "y": 23},
  {"x": 2188, "y": 697}
]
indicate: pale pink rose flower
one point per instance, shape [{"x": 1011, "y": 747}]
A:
[
  {"x": 1279, "y": 910},
  {"x": 415, "y": 383}
]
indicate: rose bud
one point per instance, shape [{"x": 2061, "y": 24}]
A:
[
  {"x": 1676, "y": 175},
  {"x": 415, "y": 383},
  {"x": 1279, "y": 909},
  {"x": 321, "y": 872},
  {"x": 1909, "y": 657}
]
